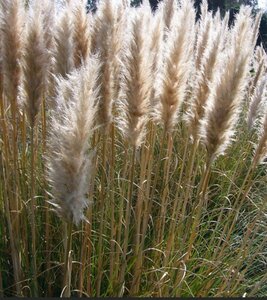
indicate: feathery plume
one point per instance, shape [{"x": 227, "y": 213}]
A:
[
  {"x": 259, "y": 66},
  {"x": 81, "y": 36},
  {"x": 71, "y": 126},
  {"x": 261, "y": 149},
  {"x": 203, "y": 33},
  {"x": 34, "y": 64},
  {"x": 156, "y": 50},
  {"x": 117, "y": 48},
  {"x": 256, "y": 27},
  {"x": 204, "y": 76},
  {"x": 169, "y": 10},
  {"x": 257, "y": 102},
  {"x": 12, "y": 24},
  {"x": 176, "y": 67},
  {"x": 64, "y": 49},
  {"x": 136, "y": 86},
  {"x": 102, "y": 45},
  {"x": 228, "y": 87},
  {"x": 108, "y": 42},
  {"x": 259, "y": 53},
  {"x": 48, "y": 8}
]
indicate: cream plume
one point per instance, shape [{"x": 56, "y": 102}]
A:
[
  {"x": 12, "y": 25},
  {"x": 227, "y": 87},
  {"x": 261, "y": 149},
  {"x": 64, "y": 48},
  {"x": 203, "y": 33},
  {"x": 257, "y": 103},
  {"x": 35, "y": 64},
  {"x": 136, "y": 85},
  {"x": 82, "y": 35},
  {"x": 177, "y": 62},
  {"x": 69, "y": 165},
  {"x": 107, "y": 41},
  {"x": 205, "y": 72}
]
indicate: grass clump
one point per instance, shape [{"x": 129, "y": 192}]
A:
[{"x": 146, "y": 133}]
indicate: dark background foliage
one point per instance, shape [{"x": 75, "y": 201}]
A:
[{"x": 224, "y": 5}]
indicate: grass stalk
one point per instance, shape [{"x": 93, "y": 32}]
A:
[
  {"x": 176, "y": 208},
  {"x": 7, "y": 197},
  {"x": 146, "y": 211},
  {"x": 127, "y": 218},
  {"x": 160, "y": 225},
  {"x": 101, "y": 225},
  {"x": 88, "y": 235},
  {"x": 196, "y": 215},
  {"x": 166, "y": 176},
  {"x": 47, "y": 210},
  {"x": 139, "y": 214},
  {"x": 112, "y": 203},
  {"x": 66, "y": 291},
  {"x": 32, "y": 215},
  {"x": 189, "y": 177},
  {"x": 243, "y": 192},
  {"x": 120, "y": 218}
]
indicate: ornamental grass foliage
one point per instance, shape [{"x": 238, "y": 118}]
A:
[{"x": 133, "y": 150}]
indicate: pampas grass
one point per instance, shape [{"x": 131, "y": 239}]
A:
[
  {"x": 12, "y": 23},
  {"x": 69, "y": 167},
  {"x": 176, "y": 66},
  {"x": 132, "y": 150},
  {"x": 81, "y": 38},
  {"x": 136, "y": 89},
  {"x": 64, "y": 46},
  {"x": 228, "y": 88}
]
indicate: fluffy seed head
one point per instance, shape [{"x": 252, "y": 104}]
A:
[
  {"x": 261, "y": 149},
  {"x": 176, "y": 68},
  {"x": 257, "y": 103},
  {"x": 35, "y": 64},
  {"x": 64, "y": 48},
  {"x": 204, "y": 73},
  {"x": 81, "y": 36},
  {"x": 108, "y": 42},
  {"x": 136, "y": 82},
  {"x": 12, "y": 24},
  {"x": 69, "y": 163},
  {"x": 228, "y": 87}
]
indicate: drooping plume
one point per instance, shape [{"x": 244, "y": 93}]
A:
[{"x": 69, "y": 164}]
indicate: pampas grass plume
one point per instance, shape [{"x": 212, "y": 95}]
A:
[
  {"x": 136, "y": 85},
  {"x": 35, "y": 64},
  {"x": 68, "y": 162},
  {"x": 177, "y": 64},
  {"x": 64, "y": 48},
  {"x": 257, "y": 102},
  {"x": 228, "y": 87},
  {"x": 12, "y": 24},
  {"x": 81, "y": 36}
]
